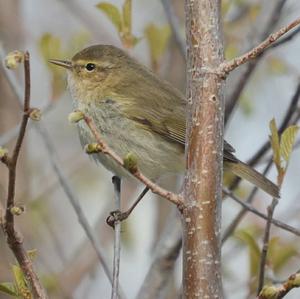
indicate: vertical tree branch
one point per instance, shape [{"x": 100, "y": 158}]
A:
[
  {"x": 202, "y": 189},
  {"x": 14, "y": 239},
  {"x": 117, "y": 239}
]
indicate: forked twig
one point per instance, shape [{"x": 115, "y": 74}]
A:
[{"x": 14, "y": 239}]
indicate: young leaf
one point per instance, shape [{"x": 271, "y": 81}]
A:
[
  {"x": 254, "y": 252},
  {"x": 127, "y": 15},
  {"x": 19, "y": 277},
  {"x": 274, "y": 139},
  {"x": 287, "y": 142},
  {"x": 8, "y": 288},
  {"x": 158, "y": 39},
  {"x": 112, "y": 12},
  {"x": 50, "y": 47}
]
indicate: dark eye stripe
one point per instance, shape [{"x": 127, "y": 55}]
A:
[{"x": 90, "y": 67}]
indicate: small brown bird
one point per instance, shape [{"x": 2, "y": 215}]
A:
[{"x": 137, "y": 112}]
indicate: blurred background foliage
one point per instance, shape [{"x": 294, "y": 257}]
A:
[{"x": 65, "y": 259}]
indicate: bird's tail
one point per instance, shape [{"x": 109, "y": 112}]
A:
[{"x": 249, "y": 174}]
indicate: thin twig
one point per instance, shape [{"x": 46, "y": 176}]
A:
[
  {"x": 117, "y": 239},
  {"x": 285, "y": 122},
  {"x": 121, "y": 216},
  {"x": 238, "y": 218},
  {"x": 64, "y": 182},
  {"x": 175, "y": 26},
  {"x": 246, "y": 74},
  {"x": 260, "y": 153},
  {"x": 229, "y": 66},
  {"x": 286, "y": 39},
  {"x": 263, "y": 257},
  {"x": 14, "y": 239},
  {"x": 251, "y": 209},
  {"x": 74, "y": 201},
  {"x": 172, "y": 197}
]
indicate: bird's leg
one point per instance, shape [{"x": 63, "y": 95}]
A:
[{"x": 120, "y": 216}]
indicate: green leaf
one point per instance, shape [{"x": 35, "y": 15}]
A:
[
  {"x": 112, "y": 12},
  {"x": 254, "y": 252},
  {"x": 50, "y": 46},
  {"x": 287, "y": 141},
  {"x": 19, "y": 277},
  {"x": 127, "y": 15},
  {"x": 274, "y": 139},
  {"x": 158, "y": 38},
  {"x": 279, "y": 254},
  {"x": 8, "y": 288}
]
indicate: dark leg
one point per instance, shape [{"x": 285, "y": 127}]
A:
[{"x": 119, "y": 216}]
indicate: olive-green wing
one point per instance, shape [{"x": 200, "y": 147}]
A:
[
  {"x": 159, "y": 107},
  {"x": 171, "y": 126}
]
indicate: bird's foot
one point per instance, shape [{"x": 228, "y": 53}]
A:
[{"x": 116, "y": 216}]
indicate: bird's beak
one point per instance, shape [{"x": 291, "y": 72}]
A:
[{"x": 64, "y": 63}]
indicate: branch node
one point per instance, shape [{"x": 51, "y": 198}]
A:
[
  {"x": 93, "y": 148},
  {"x": 4, "y": 155},
  {"x": 13, "y": 59},
  {"x": 35, "y": 114},
  {"x": 17, "y": 210},
  {"x": 75, "y": 116},
  {"x": 130, "y": 163}
]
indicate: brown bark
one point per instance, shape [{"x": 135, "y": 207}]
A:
[
  {"x": 10, "y": 116},
  {"x": 202, "y": 189}
]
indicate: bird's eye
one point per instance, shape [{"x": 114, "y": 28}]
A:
[{"x": 90, "y": 67}]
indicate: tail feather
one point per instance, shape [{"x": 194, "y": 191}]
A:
[{"x": 246, "y": 172}]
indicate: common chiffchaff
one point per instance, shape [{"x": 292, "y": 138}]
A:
[{"x": 137, "y": 112}]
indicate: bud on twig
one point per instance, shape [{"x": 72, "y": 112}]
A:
[
  {"x": 93, "y": 148},
  {"x": 35, "y": 114},
  {"x": 130, "y": 162},
  {"x": 3, "y": 152},
  {"x": 13, "y": 59},
  {"x": 75, "y": 116},
  {"x": 17, "y": 210}
]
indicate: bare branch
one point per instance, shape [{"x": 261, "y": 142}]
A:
[
  {"x": 251, "y": 209},
  {"x": 175, "y": 26},
  {"x": 229, "y": 66},
  {"x": 117, "y": 239},
  {"x": 104, "y": 148},
  {"x": 14, "y": 239},
  {"x": 236, "y": 221},
  {"x": 286, "y": 39},
  {"x": 292, "y": 109},
  {"x": 263, "y": 257},
  {"x": 289, "y": 115},
  {"x": 204, "y": 151},
  {"x": 246, "y": 74}
]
